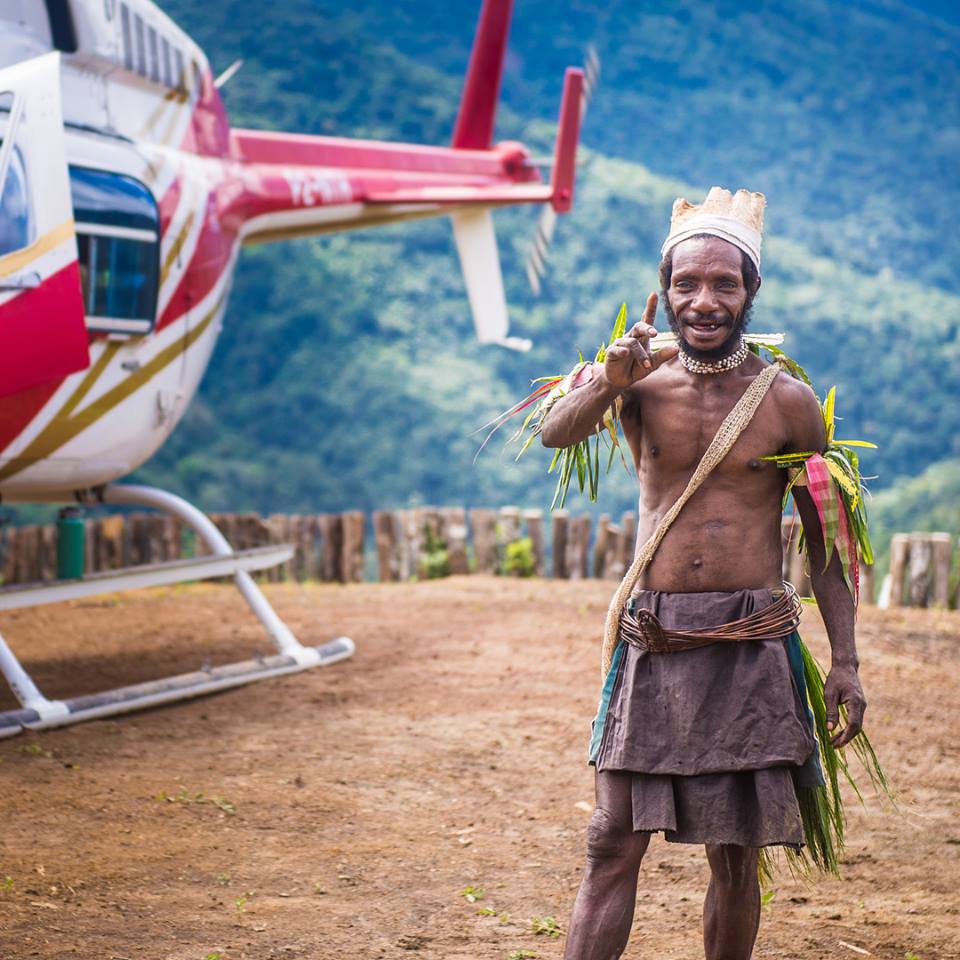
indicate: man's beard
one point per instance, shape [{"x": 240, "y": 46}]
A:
[{"x": 718, "y": 353}]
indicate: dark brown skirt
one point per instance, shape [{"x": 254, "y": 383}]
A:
[{"x": 712, "y": 735}]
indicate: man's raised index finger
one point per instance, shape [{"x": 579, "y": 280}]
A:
[{"x": 650, "y": 310}]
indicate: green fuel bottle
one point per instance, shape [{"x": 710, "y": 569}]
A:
[{"x": 70, "y": 551}]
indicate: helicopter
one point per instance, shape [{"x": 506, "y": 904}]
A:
[{"x": 125, "y": 198}]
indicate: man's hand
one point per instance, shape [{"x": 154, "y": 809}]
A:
[
  {"x": 843, "y": 687},
  {"x": 628, "y": 358}
]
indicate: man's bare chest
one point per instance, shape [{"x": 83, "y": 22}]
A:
[{"x": 670, "y": 429}]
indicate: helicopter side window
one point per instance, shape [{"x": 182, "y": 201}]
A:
[
  {"x": 118, "y": 241},
  {"x": 15, "y": 222}
]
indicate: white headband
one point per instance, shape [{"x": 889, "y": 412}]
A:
[{"x": 726, "y": 228}]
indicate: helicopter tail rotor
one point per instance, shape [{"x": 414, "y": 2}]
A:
[{"x": 537, "y": 259}]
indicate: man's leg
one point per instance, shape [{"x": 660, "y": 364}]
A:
[
  {"x": 603, "y": 911},
  {"x": 731, "y": 912}
]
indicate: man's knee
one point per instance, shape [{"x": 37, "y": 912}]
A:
[
  {"x": 733, "y": 866},
  {"x": 610, "y": 838}
]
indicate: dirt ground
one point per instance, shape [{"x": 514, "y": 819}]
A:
[{"x": 342, "y": 812}]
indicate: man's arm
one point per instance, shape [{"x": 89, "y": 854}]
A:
[
  {"x": 829, "y": 586},
  {"x": 578, "y": 414}
]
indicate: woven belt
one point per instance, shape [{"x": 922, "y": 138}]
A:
[{"x": 642, "y": 629}]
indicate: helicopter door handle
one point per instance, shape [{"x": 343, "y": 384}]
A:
[{"x": 22, "y": 281}]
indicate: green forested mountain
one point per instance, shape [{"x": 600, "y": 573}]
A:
[
  {"x": 847, "y": 115},
  {"x": 348, "y": 376}
]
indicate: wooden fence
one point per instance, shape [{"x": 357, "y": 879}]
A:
[
  {"x": 434, "y": 541},
  {"x": 920, "y": 572}
]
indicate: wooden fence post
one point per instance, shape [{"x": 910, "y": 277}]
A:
[
  {"x": 138, "y": 539},
  {"x": 307, "y": 556},
  {"x": 942, "y": 544},
  {"x": 8, "y": 560},
  {"x": 331, "y": 546},
  {"x": 110, "y": 542},
  {"x": 385, "y": 537},
  {"x": 578, "y": 547},
  {"x": 171, "y": 537},
  {"x": 483, "y": 522},
  {"x": 899, "y": 554},
  {"x": 354, "y": 524},
  {"x": 454, "y": 532},
  {"x": 919, "y": 570},
  {"x": 278, "y": 526},
  {"x": 533, "y": 519},
  {"x": 868, "y": 585},
  {"x": 28, "y": 550},
  {"x": 403, "y": 529},
  {"x": 600, "y": 545},
  {"x": 561, "y": 531},
  {"x": 509, "y": 530},
  {"x": 48, "y": 551},
  {"x": 613, "y": 566}
]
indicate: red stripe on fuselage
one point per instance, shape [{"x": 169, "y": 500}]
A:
[
  {"x": 168, "y": 205},
  {"x": 43, "y": 338},
  {"x": 43, "y": 333},
  {"x": 18, "y": 410},
  {"x": 207, "y": 265}
]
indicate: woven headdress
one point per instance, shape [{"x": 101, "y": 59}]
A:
[{"x": 736, "y": 218}]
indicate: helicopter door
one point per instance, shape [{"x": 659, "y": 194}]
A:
[{"x": 43, "y": 334}]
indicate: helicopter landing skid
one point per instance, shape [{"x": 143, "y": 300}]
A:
[{"x": 38, "y": 712}]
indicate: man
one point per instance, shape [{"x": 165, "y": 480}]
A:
[{"x": 702, "y": 743}]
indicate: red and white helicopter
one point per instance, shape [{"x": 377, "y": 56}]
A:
[{"x": 125, "y": 196}]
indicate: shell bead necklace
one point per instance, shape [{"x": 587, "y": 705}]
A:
[{"x": 715, "y": 366}]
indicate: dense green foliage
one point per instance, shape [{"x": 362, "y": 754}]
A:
[{"x": 347, "y": 375}]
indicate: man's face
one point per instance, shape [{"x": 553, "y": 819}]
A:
[{"x": 707, "y": 296}]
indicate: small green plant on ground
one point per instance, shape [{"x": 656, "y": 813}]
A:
[
  {"x": 910, "y": 955},
  {"x": 547, "y": 926},
  {"x": 213, "y": 956},
  {"x": 523, "y": 955},
  {"x": 518, "y": 558},
  {"x": 241, "y": 902},
  {"x": 183, "y": 795},
  {"x": 35, "y": 750},
  {"x": 6, "y": 884},
  {"x": 767, "y": 898},
  {"x": 472, "y": 894}
]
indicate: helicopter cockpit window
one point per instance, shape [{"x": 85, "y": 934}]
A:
[
  {"x": 16, "y": 229},
  {"x": 15, "y": 226},
  {"x": 118, "y": 240}
]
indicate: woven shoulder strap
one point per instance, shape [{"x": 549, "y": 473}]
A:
[{"x": 735, "y": 423}]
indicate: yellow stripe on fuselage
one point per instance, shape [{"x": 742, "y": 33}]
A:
[
  {"x": 177, "y": 245},
  {"x": 19, "y": 259}
]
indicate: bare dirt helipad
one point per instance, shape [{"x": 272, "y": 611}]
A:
[{"x": 343, "y": 812}]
